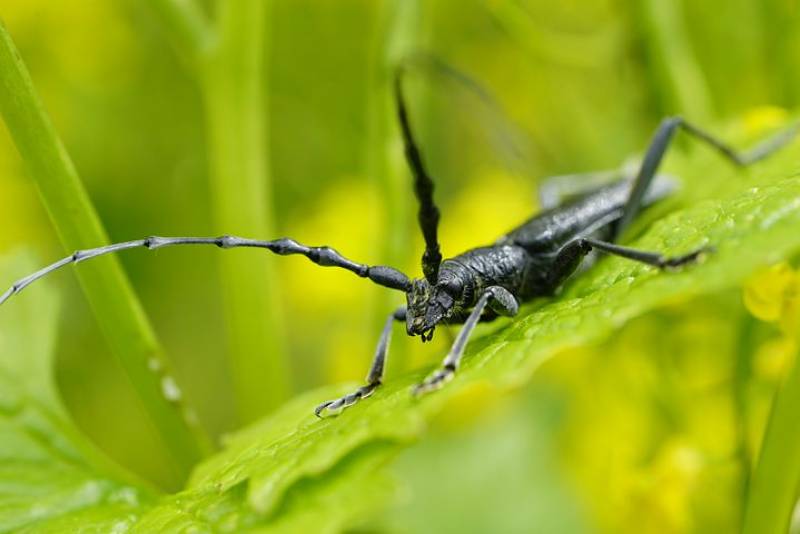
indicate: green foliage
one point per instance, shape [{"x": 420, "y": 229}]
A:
[
  {"x": 772, "y": 496},
  {"x": 293, "y": 471},
  {"x": 52, "y": 480},
  {"x": 585, "y": 82},
  {"x": 227, "y": 58},
  {"x": 118, "y": 311},
  {"x": 774, "y": 489}
]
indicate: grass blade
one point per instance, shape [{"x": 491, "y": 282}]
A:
[
  {"x": 676, "y": 74},
  {"x": 774, "y": 485},
  {"x": 187, "y": 25},
  {"x": 116, "y": 307},
  {"x": 394, "y": 40}
]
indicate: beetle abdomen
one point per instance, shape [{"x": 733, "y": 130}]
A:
[{"x": 548, "y": 230}]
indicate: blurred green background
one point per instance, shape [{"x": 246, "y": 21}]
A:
[{"x": 644, "y": 434}]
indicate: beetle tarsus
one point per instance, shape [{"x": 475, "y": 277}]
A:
[
  {"x": 677, "y": 262},
  {"x": 435, "y": 381},
  {"x": 337, "y": 406}
]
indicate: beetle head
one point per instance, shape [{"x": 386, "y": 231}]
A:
[{"x": 426, "y": 307}]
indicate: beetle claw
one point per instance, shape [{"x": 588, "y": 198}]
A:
[
  {"x": 696, "y": 256},
  {"x": 434, "y": 382},
  {"x": 332, "y": 408}
]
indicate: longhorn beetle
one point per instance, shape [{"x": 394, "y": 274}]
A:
[{"x": 486, "y": 282}]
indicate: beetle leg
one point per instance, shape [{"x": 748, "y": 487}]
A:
[
  {"x": 375, "y": 375},
  {"x": 650, "y": 258},
  {"x": 500, "y": 301},
  {"x": 571, "y": 255},
  {"x": 658, "y": 146}
]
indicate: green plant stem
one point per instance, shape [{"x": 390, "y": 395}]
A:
[
  {"x": 234, "y": 87},
  {"x": 743, "y": 372},
  {"x": 116, "y": 307},
  {"x": 394, "y": 39},
  {"x": 781, "y": 42},
  {"x": 187, "y": 25},
  {"x": 774, "y": 485},
  {"x": 676, "y": 75}
]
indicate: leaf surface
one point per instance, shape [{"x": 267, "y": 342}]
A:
[
  {"x": 752, "y": 221},
  {"x": 51, "y": 479}
]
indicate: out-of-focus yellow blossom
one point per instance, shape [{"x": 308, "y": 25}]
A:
[
  {"x": 67, "y": 26},
  {"x": 772, "y": 358},
  {"x": 767, "y": 292},
  {"x": 484, "y": 209},
  {"x": 470, "y": 404},
  {"x": 651, "y": 426},
  {"x": 773, "y": 295},
  {"x": 346, "y": 217},
  {"x": 335, "y": 304},
  {"x": 761, "y": 119},
  {"x": 660, "y": 496}
]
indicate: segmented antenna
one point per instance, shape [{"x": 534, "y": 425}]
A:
[
  {"x": 428, "y": 214},
  {"x": 324, "y": 256}
]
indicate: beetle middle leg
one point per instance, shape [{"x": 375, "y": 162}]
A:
[
  {"x": 500, "y": 301},
  {"x": 572, "y": 254},
  {"x": 376, "y": 370}
]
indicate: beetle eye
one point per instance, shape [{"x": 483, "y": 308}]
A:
[{"x": 451, "y": 287}]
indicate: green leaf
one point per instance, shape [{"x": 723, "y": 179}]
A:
[
  {"x": 52, "y": 479},
  {"x": 294, "y": 472},
  {"x": 754, "y": 221}
]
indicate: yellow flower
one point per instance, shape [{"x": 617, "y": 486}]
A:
[
  {"x": 773, "y": 295},
  {"x": 758, "y": 120},
  {"x": 766, "y": 292}
]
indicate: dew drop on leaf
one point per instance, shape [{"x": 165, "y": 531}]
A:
[{"x": 170, "y": 389}]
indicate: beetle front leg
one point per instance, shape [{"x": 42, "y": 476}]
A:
[
  {"x": 499, "y": 300},
  {"x": 375, "y": 375}
]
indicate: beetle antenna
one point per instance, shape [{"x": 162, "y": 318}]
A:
[
  {"x": 428, "y": 214},
  {"x": 324, "y": 256}
]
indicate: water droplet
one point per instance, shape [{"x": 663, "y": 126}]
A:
[
  {"x": 36, "y": 511},
  {"x": 126, "y": 495},
  {"x": 154, "y": 364},
  {"x": 123, "y": 526},
  {"x": 170, "y": 389}
]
